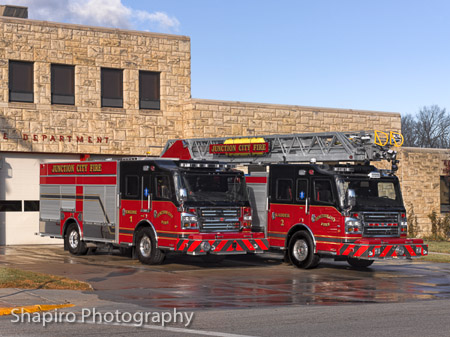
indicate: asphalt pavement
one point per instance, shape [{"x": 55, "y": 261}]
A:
[{"x": 240, "y": 296}]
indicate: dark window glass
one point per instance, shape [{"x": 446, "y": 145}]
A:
[
  {"x": 302, "y": 189},
  {"x": 10, "y": 205},
  {"x": 149, "y": 90},
  {"x": 131, "y": 186},
  {"x": 112, "y": 87},
  {"x": 63, "y": 84},
  {"x": 323, "y": 191},
  {"x": 163, "y": 187},
  {"x": 31, "y": 205},
  {"x": 20, "y": 81},
  {"x": 284, "y": 189},
  {"x": 445, "y": 194}
]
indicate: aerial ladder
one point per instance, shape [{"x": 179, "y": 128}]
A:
[{"x": 360, "y": 146}]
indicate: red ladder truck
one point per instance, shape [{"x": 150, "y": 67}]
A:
[
  {"x": 344, "y": 208},
  {"x": 150, "y": 206}
]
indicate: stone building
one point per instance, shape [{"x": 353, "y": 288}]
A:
[{"x": 69, "y": 92}]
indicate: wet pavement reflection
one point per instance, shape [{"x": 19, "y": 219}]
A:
[{"x": 237, "y": 282}]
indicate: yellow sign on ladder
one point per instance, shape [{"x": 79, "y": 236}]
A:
[{"x": 393, "y": 138}]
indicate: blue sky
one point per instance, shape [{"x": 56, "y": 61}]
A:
[{"x": 356, "y": 54}]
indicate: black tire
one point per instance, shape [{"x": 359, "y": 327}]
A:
[
  {"x": 92, "y": 250},
  {"x": 73, "y": 241},
  {"x": 126, "y": 251},
  {"x": 146, "y": 250},
  {"x": 301, "y": 251},
  {"x": 358, "y": 263}
]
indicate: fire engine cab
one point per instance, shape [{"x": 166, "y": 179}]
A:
[
  {"x": 151, "y": 206},
  {"x": 344, "y": 208}
]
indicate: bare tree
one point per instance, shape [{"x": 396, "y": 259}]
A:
[
  {"x": 409, "y": 125},
  {"x": 433, "y": 127},
  {"x": 430, "y": 128}
]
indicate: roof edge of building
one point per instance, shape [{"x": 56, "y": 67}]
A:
[
  {"x": 91, "y": 28},
  {"x": 425, "y": 149},
  {"x": 290, "y": 106}
]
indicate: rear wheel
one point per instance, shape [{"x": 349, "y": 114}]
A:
[
  {"x": 301, "y": 251},
  {"x": 146, "y": 250},
  {"x": 358, "y": 263},
  {"x": 73, "y": 241}
]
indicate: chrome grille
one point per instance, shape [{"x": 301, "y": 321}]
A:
[
  {"x": 219, "y": 219},
  {"x": 387, "y": 224}
]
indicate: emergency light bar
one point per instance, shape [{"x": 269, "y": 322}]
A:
[{"x": 206, "y": 165}]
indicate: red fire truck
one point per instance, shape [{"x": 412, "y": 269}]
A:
[
  {"x": 151, "y": 206},
  {"x": 344, "y": 208}
]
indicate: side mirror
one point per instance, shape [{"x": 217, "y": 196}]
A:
[
  {"x": 350, "y": 198},
  {"x": 183, "y": 194}
]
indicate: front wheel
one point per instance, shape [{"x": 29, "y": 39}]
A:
[
  {"x": 301, "y": 251},
  {"x": 358, "y": 263},
  {"x": 73, "y": 241},
  {"x": 146, "y": 250}
]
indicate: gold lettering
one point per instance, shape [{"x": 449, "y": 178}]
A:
[
  {"x": 164, "y": 213},
  {"x": 326, "y": 216},
  {"x": 259, "y": 147},
  {"x": 81, "y": 168},
  {"x": 63, "y": 168},
  {"x": 96, "y": 168}
]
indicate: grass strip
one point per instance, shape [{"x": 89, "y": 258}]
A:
[{"x": 17, "y": 278}]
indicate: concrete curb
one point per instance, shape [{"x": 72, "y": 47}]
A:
[{"x": 33, "y": 308}]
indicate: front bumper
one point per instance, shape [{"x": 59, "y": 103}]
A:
[
  {"x": 382, "y": 250},
  {"x": 198, "y": 245}
]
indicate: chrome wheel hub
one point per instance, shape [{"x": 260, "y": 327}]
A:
[
  {"x": 73, "y": 239},
  {"x": 145, "y": 246},
  {"x": 300, "y": 250}
]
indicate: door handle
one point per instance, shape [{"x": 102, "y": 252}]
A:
[
  {"x": 273, "y": 215},
  {"x": 313, "y": 217}
]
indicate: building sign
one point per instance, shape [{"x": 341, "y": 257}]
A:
[
  {"x": 235, "y": 149},
  {"x": 42, "y": 138}
]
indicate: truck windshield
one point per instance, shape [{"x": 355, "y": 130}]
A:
[
  {"x": 371, "y": 193},
  {"x": 214, "y": 188}
]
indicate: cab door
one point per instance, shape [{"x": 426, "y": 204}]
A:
[
  {"x": 324, "y": 215},
  {"x": 288, "y": 201}
]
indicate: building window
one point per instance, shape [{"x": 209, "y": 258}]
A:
[
  {"x": 63, "y": 84},
  {"x": 21, "y": 81},
  {"x": 445, "y": 194},
  {"x": 112, "y": 87},
  {"x": 31, "y": 205},
  {"x": 149, "y": 90},
  {"x": 10, "y": 205}
]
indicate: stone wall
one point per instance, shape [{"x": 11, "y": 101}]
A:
[
  {"x": 419, "y": 173},
  {"x": 209, "y": 118},
  {"x": 86, "y": 127}
]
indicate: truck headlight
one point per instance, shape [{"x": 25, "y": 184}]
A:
[
  {"x": 353, "y": 226},
  {"x": 189, "y": 221}
]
